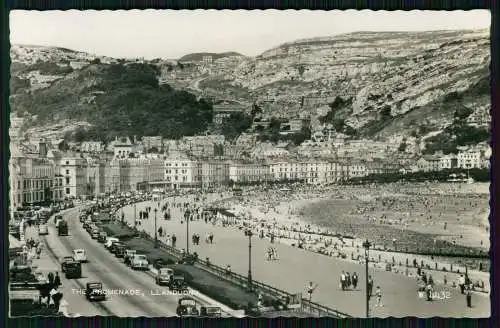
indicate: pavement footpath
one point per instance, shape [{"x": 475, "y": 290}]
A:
[{"x": 296, "y": 267}]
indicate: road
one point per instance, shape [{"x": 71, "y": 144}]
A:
[
  {"x": 106, "y": 268},
  {"x": 296, "y": 267}
]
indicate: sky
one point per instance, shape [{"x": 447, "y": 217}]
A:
[{"x": 171, "y": 34}]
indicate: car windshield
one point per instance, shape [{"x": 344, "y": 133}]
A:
[
  {"x": 80, "y": 252},
  {"x": 95, "y": 285},
  {"x": 166, "y": 271},
  {"x": 140, "y": 257}
]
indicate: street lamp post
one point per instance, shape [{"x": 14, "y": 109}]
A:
[
  {"x": 186, "y": 217},
  {"x": 156, "y": 231},
  {"x": 366, "y": 246},
  {"x": 250, "y": 282}
]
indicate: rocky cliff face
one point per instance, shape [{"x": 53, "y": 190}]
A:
[
  {"x": 379, "y": 84},
  {"x": 395, "y": 72}
]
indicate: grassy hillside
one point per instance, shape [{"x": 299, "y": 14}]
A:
[{"x": 117, "y": 99}]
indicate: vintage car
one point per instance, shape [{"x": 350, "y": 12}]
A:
[
  {"x": 110, "y": 241},
  {"x": 164, "y": 276},
  {"x": 83, "y": 217},
  {"x": 187, "y": 307},
  {"x": 86, "y": 224},
  {"x": 102, "y": 237},
  {"x": 129, "y": 254},
  {"x": 211, "y": 311},
  {"x": 57, "y": 218},
  {"x": 114, "y": 246},
  {"x": 79, "y": 255},
  {"x": 94, "y": 234},
  {"x": 94, "y": 292},
  {"x": 177, "y": 283},
  {"x": 64, "y": 261},
  {"x": 73, "y": 270},
  {"x": 139, "y": 262},
  {"x": 43, "y": 229},
  {"x": 62, "y": 228},
  {"x": 120, "y": 250}
]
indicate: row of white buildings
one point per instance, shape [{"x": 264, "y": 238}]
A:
[{"x": 473, "y": 158}]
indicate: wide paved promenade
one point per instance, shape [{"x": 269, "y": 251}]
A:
[{"x": 296, "y": 267}]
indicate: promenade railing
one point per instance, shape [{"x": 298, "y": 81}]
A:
[{"x": 238, "y": 279}]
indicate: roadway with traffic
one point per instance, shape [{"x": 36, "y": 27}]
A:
[
  {"x": 111, "y": 272},
  {"x": 296, "y": 267}
]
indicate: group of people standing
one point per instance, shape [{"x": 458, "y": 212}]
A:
[{"x": 346, "y": 280}]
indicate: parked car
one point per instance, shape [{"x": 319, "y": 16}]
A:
[
  {"x": 187, "y": 307},
  {"x": 102, "y": 237},
  {"x": 177, "y": 283},
  {"x": 211, "y": 311},
  {"x": 43, "y": 229},
  {"x": 86, "y": 224},
  {"x": 94, "y": 234},
  {"x": 79, "y": 255},
  {"x": 115, "y": 245},
  {"x": 110, "y": 241},
  {"x": 139, "y": 262},
  {"x": 129, "y": 254},
  {"x": 119, "y": 250},
  {"x": 164, "y": 276},
  {"x": 94, "y": 291}
]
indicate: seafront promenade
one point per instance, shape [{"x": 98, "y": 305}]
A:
[{"x": 296, "y": 267}]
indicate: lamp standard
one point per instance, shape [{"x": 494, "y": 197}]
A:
[
  {"x": 249, "y": 233},
  {"x": 186, "y": 217},
  {"x": 156, "y": 231},
  {"x": 366, "y": 246}
]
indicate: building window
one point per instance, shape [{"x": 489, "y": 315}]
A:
[
  {"x": 67, "y": 191},
  {"x": 67, "y": 162},
  {"x": 67, "y": 180},
  {"x": 67, "y": 171}
]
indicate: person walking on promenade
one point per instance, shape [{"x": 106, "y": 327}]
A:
[
  {"x": 343, "y": 280},
  {"x": 354, "y": 280},
  {"x": 378, "y": 294},
  {"x": 347, "y": 280},
  {"x": 211, "y": 237},
  {"x": 370, "y": 286},
  {"x": 468, "y": 297},
  {"x": 461, "y": 283},
  {"x": 429, "y": 292},
  {"x": 160, "y": 231}
]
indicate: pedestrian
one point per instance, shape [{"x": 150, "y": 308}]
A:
[
  {"x": 370, "y": 286},
  {"x": 50, "y": 276},
  {"x": 57, "y": 280},
  {"x": 310, "y": 289},
  {"x": 160, "y": 231},
  {"x": 378, "y": 294},
  {"x": 468, "y": 297},
  {"x": 461, "y": 283},
  {"x": 429, "y": 292},
  {"x": 342, "y": 280},
  {"x": 348, "y": 279},
  {"x": 174, "y": 240},
  {"x": 52, "y": 292},
  {"x": 228, "y": 269},
  {"x": 354, "y": 280}
]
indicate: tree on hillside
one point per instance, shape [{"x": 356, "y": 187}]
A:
[{"x": 235, "y": 125}]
